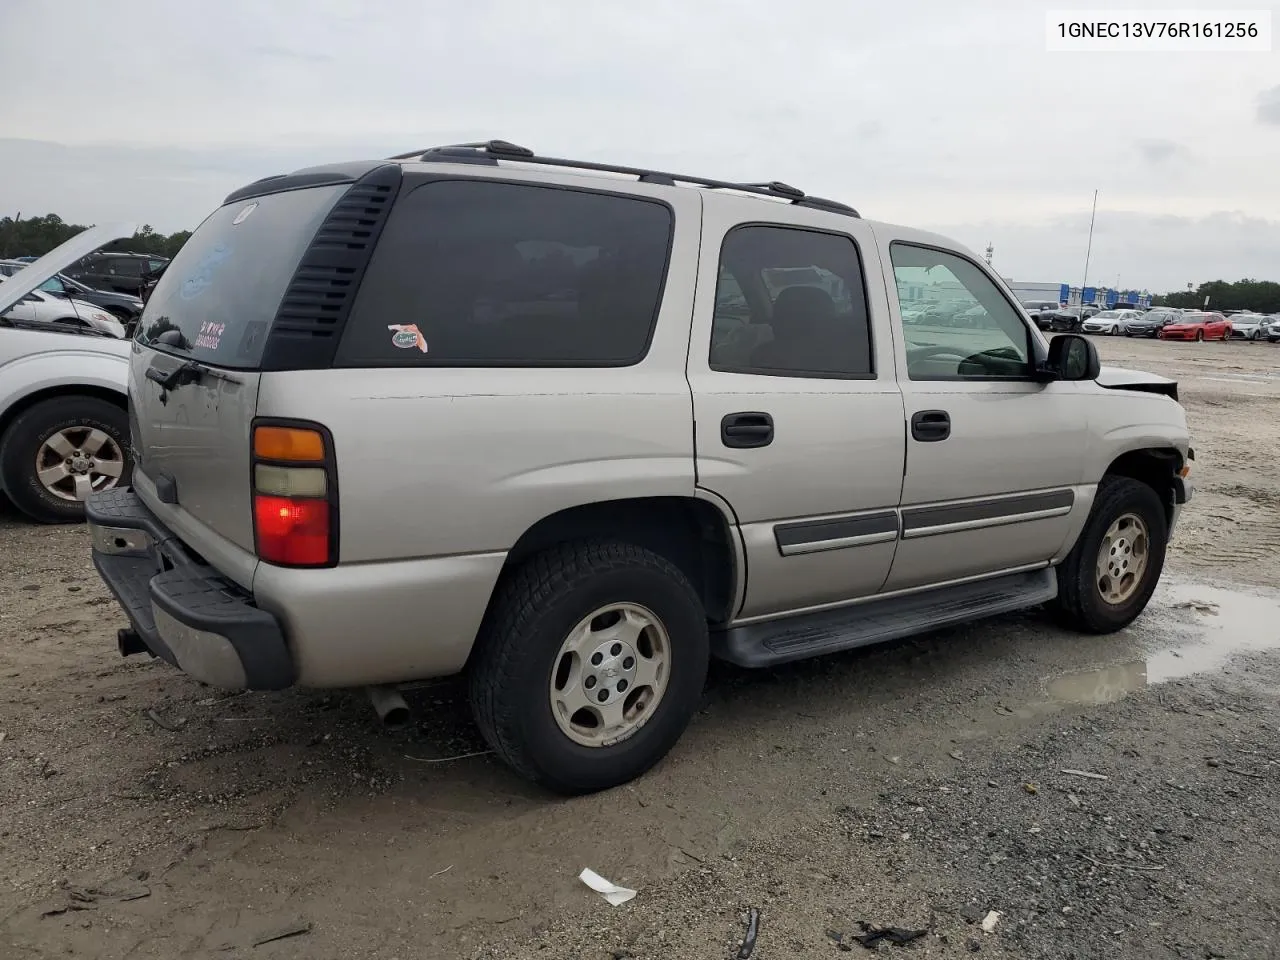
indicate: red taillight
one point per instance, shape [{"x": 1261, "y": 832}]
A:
[
  {"x": 294, "y": 515},
  {"x": 292, "y": 531}
]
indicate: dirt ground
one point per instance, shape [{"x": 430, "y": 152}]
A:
[{"x": 921, "y": 785}]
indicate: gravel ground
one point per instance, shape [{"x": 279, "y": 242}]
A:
[{"x": 918, "y": 785}]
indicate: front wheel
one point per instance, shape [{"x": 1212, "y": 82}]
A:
[
  {"x": 59, "y": 451},
  {"x": 1109, "y": 575},
  {"x": 589, "y": 665},
  {"x": 1199, "y": 336}
]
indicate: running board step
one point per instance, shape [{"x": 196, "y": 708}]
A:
[{"x": 875, "y": 621}]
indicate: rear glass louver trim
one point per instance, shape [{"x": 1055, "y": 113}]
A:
[{"x": 315, "y": 305}]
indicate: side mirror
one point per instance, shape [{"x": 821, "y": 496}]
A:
[{"x": 1072, "y": 357}]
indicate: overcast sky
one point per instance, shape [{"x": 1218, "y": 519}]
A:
[{"x": 943, "y": 115}]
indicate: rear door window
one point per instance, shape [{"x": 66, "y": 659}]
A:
[
  {"x": 484, "y": 273},
  {"x": 217, "y": 299}
]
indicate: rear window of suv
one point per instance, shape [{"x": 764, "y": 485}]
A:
[
  {"x": 486, "y": 273},
  {"x": 217, "y": 299}
]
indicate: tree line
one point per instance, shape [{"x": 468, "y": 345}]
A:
[
  {"x": 35, "y": 236},
  {"x": 1260, "y": 295}
]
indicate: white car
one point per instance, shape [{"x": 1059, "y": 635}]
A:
[
  {"x": 1110, "y": 322},
  {"x": 1248, "y": 326},
  {"x": 64, "y": 428},
  {"x": 39, "y": 306}
]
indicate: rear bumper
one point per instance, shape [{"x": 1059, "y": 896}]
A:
[{"x": 181, "y": 608}]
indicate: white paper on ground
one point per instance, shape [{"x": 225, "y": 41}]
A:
[{"x": 615, "y": 894}]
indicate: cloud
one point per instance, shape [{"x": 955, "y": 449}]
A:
[
  {"x": 1157, "y": 150},
  {"x": 1158, "y": 252},
  {"x": 918, "y": 113},
  {"x": 1269, "y": 106},
  {"x": 290, "y": 53}
]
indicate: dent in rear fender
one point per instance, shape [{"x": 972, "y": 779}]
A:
[{"x": 370, "y": 623}]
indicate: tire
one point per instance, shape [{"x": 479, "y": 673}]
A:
[
  {"x": 1080, "y": 603},
  {"x": 518, "y": 657},
  {"x": 1199, "y": 336},
  {"x": 24, "y": 442}
]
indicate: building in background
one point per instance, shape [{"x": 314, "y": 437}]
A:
[{"x": 1065, "y": 293}]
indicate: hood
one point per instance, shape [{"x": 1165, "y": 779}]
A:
[
  {"x": 1120, "y": 378},
  {"x": 58, "y": 259}
]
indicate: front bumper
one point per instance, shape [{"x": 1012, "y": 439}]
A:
[
  {"x": 182, "y": 610},
  {"x": 1183, "y": 491}
]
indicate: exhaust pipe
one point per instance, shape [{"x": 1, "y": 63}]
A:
[
  {"x": 389, "y": 706},
  {"x": 129, "y": 642}
]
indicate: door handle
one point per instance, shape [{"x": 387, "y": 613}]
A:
[
  {"x": 929, "y": 426},
  {"x": 742, "y": 430}
]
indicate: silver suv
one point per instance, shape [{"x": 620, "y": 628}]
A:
[{"x": 571, "y": 429}]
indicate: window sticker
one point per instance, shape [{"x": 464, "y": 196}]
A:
[{"x": 406, "y": 336}]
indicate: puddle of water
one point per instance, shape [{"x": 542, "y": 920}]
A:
[{"x": 1224, "y": 622}]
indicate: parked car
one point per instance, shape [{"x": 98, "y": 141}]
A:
[
  {"x": 571, "y": 523},
  {"x": 1064, "y": 320},
  {"x": 1037, "y": 309},
  {"x": 122, "y": 272},
  {"x": 124, "y": 307},
  {"x": 1149, "y": 324},
  {"x": 1197, "y": 326},
  {"x": 64, "y": 430},
  {"x": 1110, "y": 322},
  {"x": 39, "y": 306},
  {"x": 1247, "y": 326}
]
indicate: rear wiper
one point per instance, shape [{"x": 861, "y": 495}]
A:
[{"x": 189, "y": 371}]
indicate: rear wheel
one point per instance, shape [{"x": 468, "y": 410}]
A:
[
  {"x": 1111, "y": 572},
  {"x": 589, "y": 665},
  {"x": 59, "y": 451}
]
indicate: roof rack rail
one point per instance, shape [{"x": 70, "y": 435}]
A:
[{"x": 489, "y": 152}]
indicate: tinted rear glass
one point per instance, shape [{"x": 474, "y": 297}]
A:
[
  {"x": 476, "y": 273},
  {"x": 219, "y": 295}
]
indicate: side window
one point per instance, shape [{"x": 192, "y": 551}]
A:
[
  {"x": 482, "y": 273},
  {"x": 974, "y": 333},
  {"x": 801, "y": 309},
  {"x": 53, "y": 285},
  {"x": 126, "y": 267}
]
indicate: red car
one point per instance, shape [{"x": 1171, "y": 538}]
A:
[{"x": 1197, "y": 326}]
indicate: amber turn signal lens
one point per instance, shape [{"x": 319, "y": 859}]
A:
[{"x": 288, "y": 443}]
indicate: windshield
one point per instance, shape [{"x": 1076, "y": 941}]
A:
[{"x": 217, "y": 299}]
